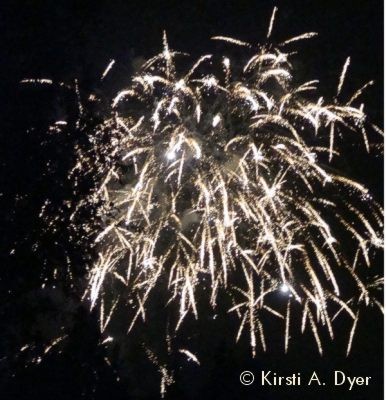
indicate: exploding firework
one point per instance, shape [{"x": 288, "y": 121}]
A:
[{"x": 223, "y": 179}]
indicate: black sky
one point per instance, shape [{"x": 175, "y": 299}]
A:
[{"x": 64, "y": 40}]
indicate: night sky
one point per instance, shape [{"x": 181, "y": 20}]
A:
[{"x": 67, "y": 40}]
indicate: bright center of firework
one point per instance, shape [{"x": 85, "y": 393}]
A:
[
  {"x": 284, "y": 288},
  {"x": 170, "y": 155}
]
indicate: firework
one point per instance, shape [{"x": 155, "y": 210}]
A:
[{"x": 211, "y": 182}]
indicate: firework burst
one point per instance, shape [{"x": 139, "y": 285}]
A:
[{"x": 209, "y": 182}]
